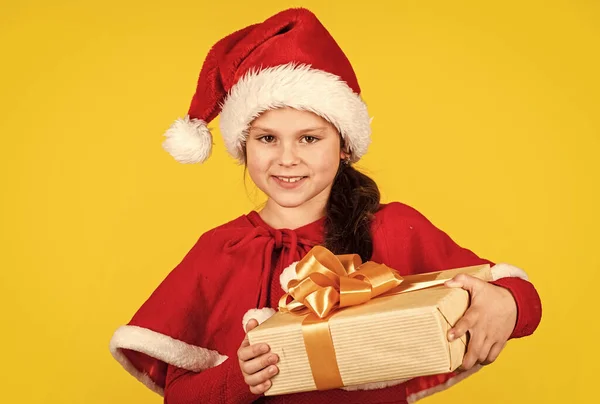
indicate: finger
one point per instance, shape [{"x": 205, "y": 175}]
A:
[
  {"x": 257, "y": 364},
  {"x": 261, "y": 388},
  {"x": 494, "y": 352},
  {"x": 250, "y": 352},
  {"x": 467, "y": 282},
  {"x": 466, "y": 323},
  {"x": 485, "y": 350},
  {"x": 473, "y": 349},
  {"x": 262, "y": 376}
]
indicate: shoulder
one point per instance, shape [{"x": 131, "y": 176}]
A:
[
  {"x": 240, "y": 224},
  {"x": 399, "y": 220},
  {"x": 397, "y": 212},
  {"x": 212, "y": 241}
]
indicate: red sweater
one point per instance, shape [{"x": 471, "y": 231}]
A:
[{"x": 236, "y": 267}]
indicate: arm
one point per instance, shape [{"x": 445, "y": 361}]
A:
[
  {"x": 239, "y": 384},
  {"x": 425, "y": 248},
  {"x": 432, "y": 249},
  {"x": 221, "y": 384},
  {"x": 441, "y": 252},
  {"x": 529, "y": 305},
  {"x": 165, "y": 345}
]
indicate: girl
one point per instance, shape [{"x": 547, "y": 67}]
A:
[{"x": 291, "y": 112}]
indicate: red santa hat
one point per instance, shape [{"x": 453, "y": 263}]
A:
[{"x": 289, "y": 60}]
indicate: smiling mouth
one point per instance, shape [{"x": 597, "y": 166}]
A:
[{"x": 289, "y": 179}]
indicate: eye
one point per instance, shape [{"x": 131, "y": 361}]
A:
[
  {"x": 267, "y": 138},
  {"x": 310, "y": 139}
]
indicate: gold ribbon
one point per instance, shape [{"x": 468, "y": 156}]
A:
[{"x": 326, "y": 283}]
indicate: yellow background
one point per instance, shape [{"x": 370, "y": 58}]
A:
[{"x": 486, "y": 120}]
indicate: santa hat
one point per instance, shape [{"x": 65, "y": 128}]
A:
[{"x": 289, "y": 60}]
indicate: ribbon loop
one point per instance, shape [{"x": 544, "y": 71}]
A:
[
  {"x": 326, "y": 282},
  {"x": 354, "y": 291},
  {"x": 381, "y": 277}
]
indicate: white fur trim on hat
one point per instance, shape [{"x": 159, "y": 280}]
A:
[
  {"x": 162, "y": 347},
  {"x": 188, "y": 140},
  {"x": 300, "y": 87},
  {"x": 508, "y": 271},
  {"x": 287, "y": 275},
  {"x": 260, "y": 315}
]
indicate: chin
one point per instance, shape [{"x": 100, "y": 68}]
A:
[{"x": 289, "y": 202}]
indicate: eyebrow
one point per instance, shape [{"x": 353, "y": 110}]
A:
[{"x": 317, "y": 128}]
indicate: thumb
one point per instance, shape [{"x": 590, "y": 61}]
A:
[
  {"x": 466, "y": 282},
  {"x": 251, "y": 324}
]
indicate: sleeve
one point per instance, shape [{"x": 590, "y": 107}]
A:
[
  {"x": 220, "y": 385},
  {"x": 167, "y": 333}
]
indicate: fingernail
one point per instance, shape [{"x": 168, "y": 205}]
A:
[
  {"x": 450, "y": 336},
  {"x": 264, "y": 348},
  {"x": 273, "y": 359},
  {"x": 272, "y": 370}
]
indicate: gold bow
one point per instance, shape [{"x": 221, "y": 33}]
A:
[{"x": 326, "y": 282}]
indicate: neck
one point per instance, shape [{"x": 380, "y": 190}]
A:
[{"x": 280, "y": 217}]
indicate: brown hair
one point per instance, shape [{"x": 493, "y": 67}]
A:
[{"x": 353, "y": 201}]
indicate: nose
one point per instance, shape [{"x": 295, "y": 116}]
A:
[{"x": 289, "y": 155}]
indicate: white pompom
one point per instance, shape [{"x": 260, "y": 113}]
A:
[
  {"x": 287, "y": 275},
  {"x": 188, "y": 140},
  {"x": 260, "y": 315}
]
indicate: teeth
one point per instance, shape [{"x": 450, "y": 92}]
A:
[{"x": 290, "y": 179}]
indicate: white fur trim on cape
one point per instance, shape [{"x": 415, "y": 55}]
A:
[
  {"x": 441, "y": 387},
  {"x": 300, "y": 87},
  {"x": 287, "y": 275},
  {"x": 507, "y": 271},
  {"x": 260, "y": 315},
  {"x": 188, "y": 140},
  {"x": 162, "y": 347},
  {"x": 142, "y": 377}
]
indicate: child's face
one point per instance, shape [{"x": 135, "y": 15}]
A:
[{"x": 293, "y": 156}]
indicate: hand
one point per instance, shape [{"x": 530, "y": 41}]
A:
[
  {"x": 490, "y": 320},
  {"x": 256, "y": 363}
]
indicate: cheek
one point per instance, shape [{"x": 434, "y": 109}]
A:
[
  {"x": 257, "y": 163},
  {"x": 325, "y": 161}
]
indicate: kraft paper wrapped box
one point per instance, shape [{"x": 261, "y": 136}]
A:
[{"x": 390, "y": 337}]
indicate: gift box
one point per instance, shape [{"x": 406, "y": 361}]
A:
[{"x": 345, "y": 323}]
